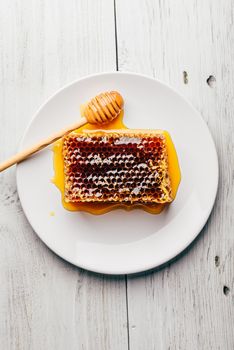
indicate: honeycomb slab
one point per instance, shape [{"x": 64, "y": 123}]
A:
[{"x": 116, "y": 166}]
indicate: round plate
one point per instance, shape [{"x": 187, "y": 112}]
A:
[{"x": 121, "y": 242}]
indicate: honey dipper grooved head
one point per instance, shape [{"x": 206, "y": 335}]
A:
[{"x": 104, "y": 107}]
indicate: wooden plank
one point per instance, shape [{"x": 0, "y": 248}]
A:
[
  {"x": 45, "y": 303},
  {"x": 189, "y": 303}
]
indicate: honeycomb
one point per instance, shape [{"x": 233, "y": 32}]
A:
[{"x": 125, "y": 166}]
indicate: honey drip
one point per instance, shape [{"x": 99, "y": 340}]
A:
[{"x": 98, "y": 208}]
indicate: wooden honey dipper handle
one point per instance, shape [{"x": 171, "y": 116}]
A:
[
  {"x": 19, "y": 157},
  {"x": 101, "y": 109}
]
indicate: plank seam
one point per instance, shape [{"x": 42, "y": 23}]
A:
[
  {"x": 116, "y": 37},
  {"x": 127, "y": 309}
]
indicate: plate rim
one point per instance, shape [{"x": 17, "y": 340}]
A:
[{"x": 151, "y": 265}]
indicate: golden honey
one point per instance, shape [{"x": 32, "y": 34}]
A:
[{"x": 101, "y": 208}]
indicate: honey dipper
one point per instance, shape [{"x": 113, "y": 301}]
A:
[{"x": 101, "y": 109}]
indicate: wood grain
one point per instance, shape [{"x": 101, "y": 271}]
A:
[
  {"x": 190, "y": 303},
  {"x": 45, "y": 303}
]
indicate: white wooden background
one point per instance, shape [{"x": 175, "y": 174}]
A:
[{"x": 45, "y": 303}]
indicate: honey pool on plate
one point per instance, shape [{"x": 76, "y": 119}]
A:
[{"x": 101, "y": 208}]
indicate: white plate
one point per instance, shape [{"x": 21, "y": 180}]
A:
[{"x": 121, "y": 242}]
